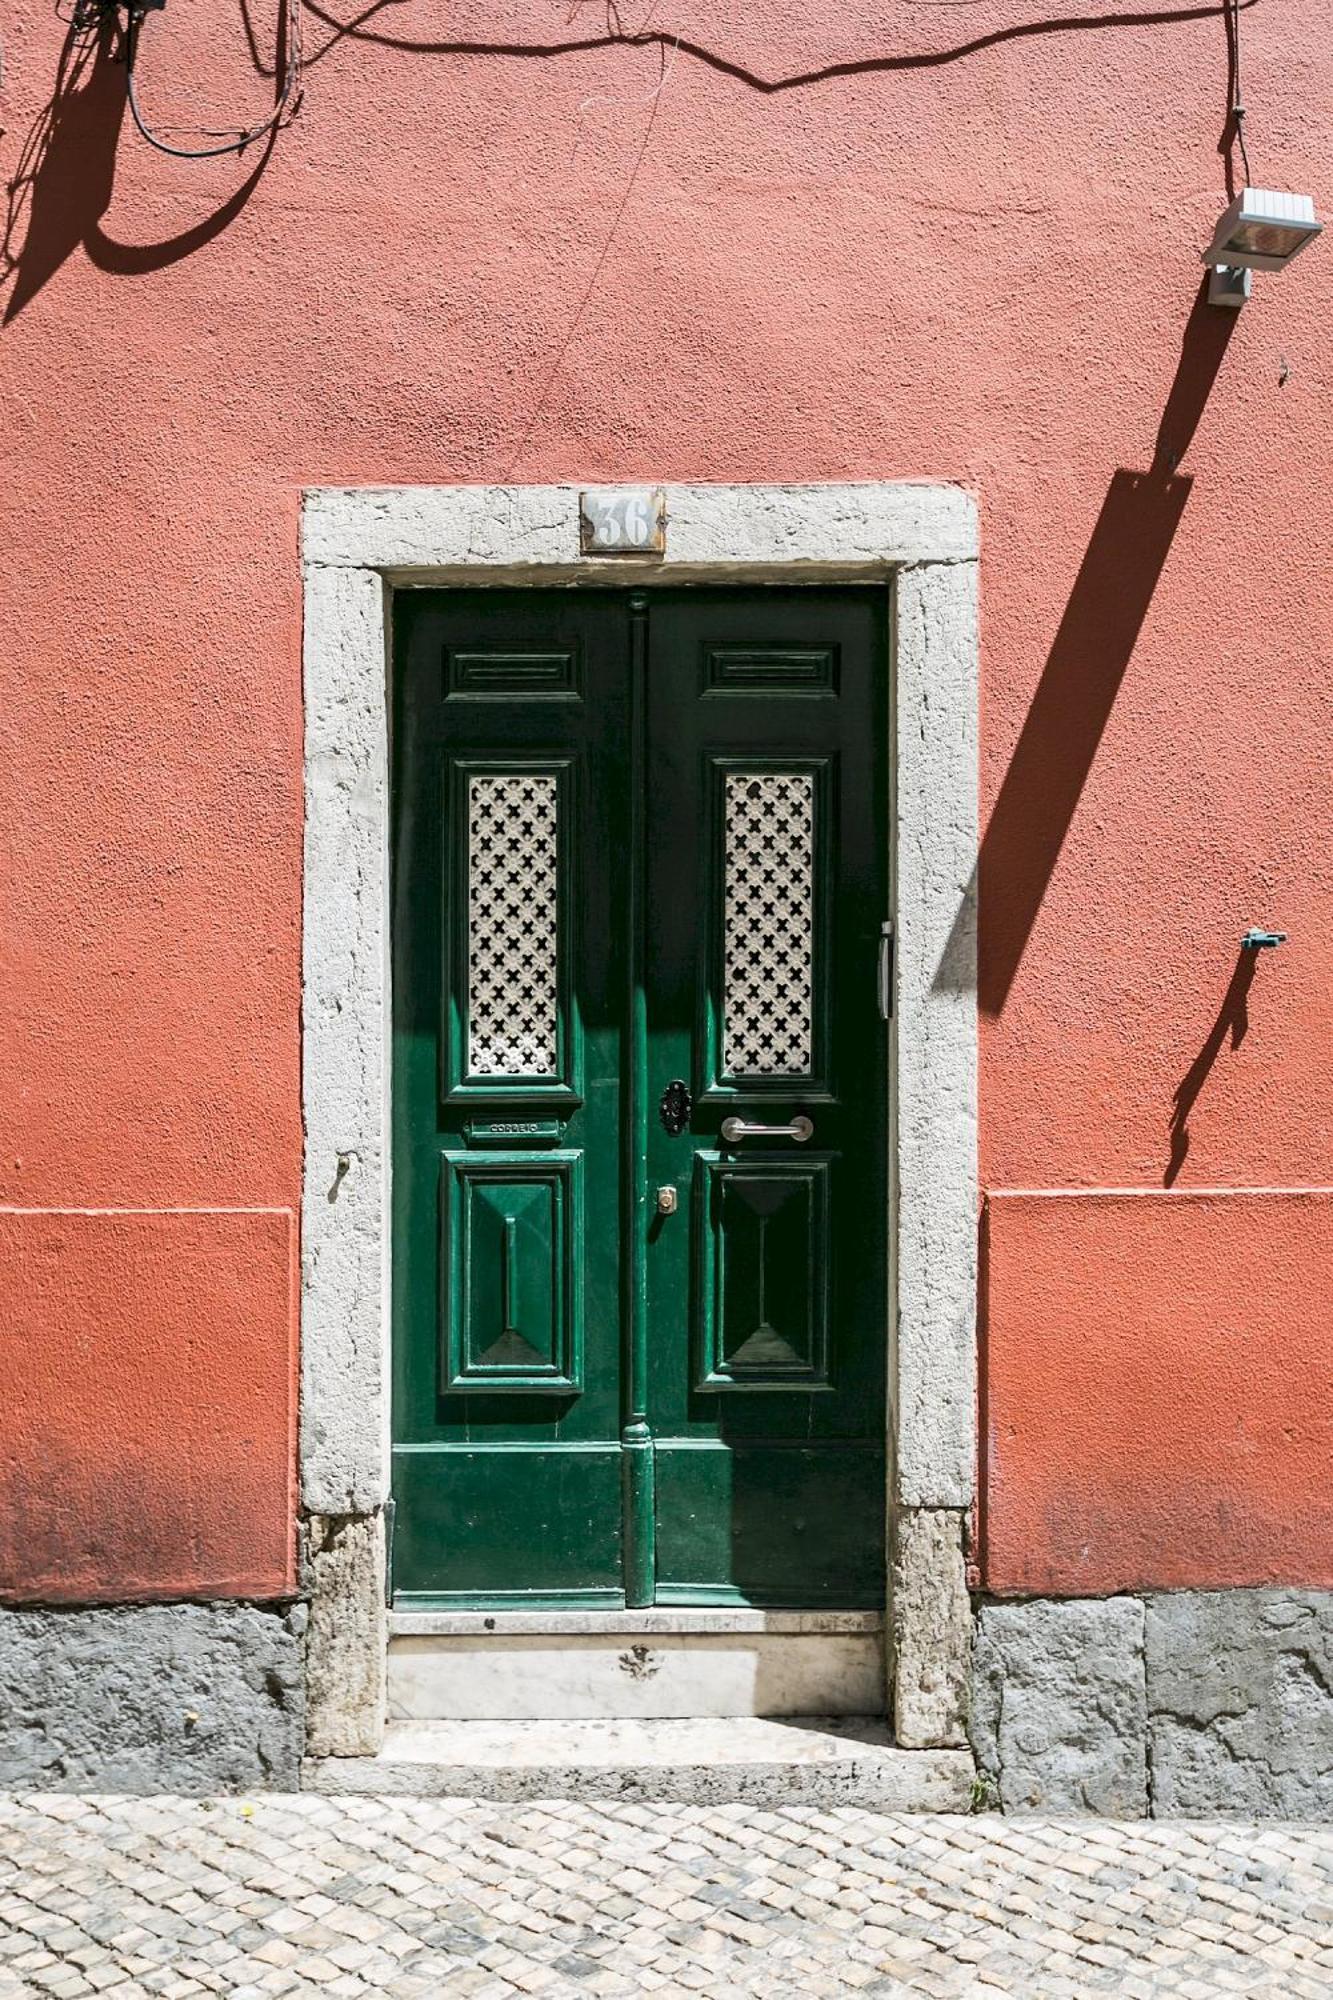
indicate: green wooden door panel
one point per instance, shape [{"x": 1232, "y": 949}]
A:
[
  {"x": 510, "y": 746},
  {"x": 512, "y": 1256},
  {"x": 767, "y": 844},
  {"x": 761, "y": 1230},
  {"x": 639, "y": 838},
  {"x": 794, "y": 1526},
  {"x": 505, "y": 1525}
]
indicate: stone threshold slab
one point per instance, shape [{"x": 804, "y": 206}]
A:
[
  {"x": 810, "y": 1762},
  {"x": 535, "y": 1676},
  {"x": 661, "y": 1622}
]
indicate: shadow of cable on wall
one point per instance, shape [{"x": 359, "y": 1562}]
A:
[
  {"x": 358, "y": 29},
  {"x": 63, "y": 183}
]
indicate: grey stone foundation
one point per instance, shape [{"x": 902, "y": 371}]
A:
[
  {"x": 1193, "y": 1704},
  {"x": 151, "y": 1698}
]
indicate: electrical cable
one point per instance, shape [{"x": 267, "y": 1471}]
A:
[
  {"x": 1237, "y": 105},
  {"x": 237, "y": 142}
]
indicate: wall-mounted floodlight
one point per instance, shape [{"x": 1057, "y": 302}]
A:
[{"x": 1261, "y": 231}]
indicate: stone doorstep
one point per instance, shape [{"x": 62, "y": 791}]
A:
[{"x": 817, "y": 1762}]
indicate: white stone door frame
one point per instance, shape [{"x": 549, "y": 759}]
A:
[{"x": 357, "y": 546}]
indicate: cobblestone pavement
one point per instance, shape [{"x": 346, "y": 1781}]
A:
[{"x": 400, "y": 1897}]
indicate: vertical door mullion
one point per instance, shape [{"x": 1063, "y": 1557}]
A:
[{"x": 638, "y": 1496}]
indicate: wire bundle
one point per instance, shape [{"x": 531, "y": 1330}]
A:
[{"x": 288, "y": 67}]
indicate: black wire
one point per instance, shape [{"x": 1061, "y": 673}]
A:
[
  {"x": 238, "y": 143},
  {"x": 1237, "y": 105}
]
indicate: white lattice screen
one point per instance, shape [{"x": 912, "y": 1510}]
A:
[
  {"x": 512, "y": 916},
  {"x": 768, "y": 924}
]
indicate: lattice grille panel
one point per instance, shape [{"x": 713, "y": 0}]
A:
[
  {"x": 512, "y": 917},
  {"x": 768, "y": 924}
]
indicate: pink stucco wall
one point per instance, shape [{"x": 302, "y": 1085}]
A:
[{"x": 940, "y": 241}]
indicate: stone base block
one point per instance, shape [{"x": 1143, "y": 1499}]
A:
[
  {"x": 932, "y": 1628},
  {"x": 1059, "y": 1714},
  {"x": 345, "y": 1645},
  {"x": 1184, "y": 1704},
  {"x": 1240, "y": 1699},
  {"x": 151, "y": 1698}
]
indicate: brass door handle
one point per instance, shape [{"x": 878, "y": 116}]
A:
[{"x": 801, "y": 1128}]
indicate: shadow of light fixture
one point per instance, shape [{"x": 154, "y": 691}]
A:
[{"x": 1262, "y": 230}]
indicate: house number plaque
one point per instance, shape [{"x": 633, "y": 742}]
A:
[
  {"x": 513, "y": 1131},
  {"x": 622, "y": 521}
]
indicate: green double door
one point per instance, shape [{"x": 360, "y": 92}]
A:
[{"x": 639, "y": 1097}]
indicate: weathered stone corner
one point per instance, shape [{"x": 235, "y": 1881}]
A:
[
  {"x": 931, "y": 1635},
  {"x": 346, "y": 1640}
]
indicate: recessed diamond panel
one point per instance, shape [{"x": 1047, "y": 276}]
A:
[
  {"x": 512, "y": 919},
  {"x": 762, "y": 1286},
  {"x": 768, "y": 924},
  {"x": 510, "y": 1249}
]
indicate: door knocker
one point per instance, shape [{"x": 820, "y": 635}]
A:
[{"x": 675, "y": 1107}]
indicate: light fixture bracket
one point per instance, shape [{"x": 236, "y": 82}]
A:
[{"x": 1228, "y": 285}]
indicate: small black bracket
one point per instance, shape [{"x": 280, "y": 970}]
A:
[
  {"x": 675, "y": 1107},
  {"x": 1259, "y": 940}
]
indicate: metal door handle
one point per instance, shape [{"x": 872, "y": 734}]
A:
[
  {"x": 884, "y": 979},
  {"x": 801, "y": 1129}
]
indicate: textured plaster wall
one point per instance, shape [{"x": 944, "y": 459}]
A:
[
  {"x": 1156, "y": 1391},
  {"x": 955, "y": 244},
  {"x": 146, "y": 1435}
]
